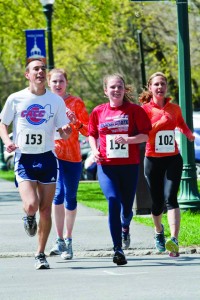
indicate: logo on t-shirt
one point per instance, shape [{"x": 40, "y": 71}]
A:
[{"x": 37, "y": 114}]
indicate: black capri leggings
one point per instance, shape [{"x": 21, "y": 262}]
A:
[{"x": 163, "y": 176}]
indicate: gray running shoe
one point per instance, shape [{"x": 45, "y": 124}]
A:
[
  {"x": 160, "y": 240},
  {"x": 58, "y": 248},
  {"x": 126, "y": 240},
  {"x": 30, "y": 225},
  {"x": 41, "y": 262},
  {"x": 68, "y": 254}
]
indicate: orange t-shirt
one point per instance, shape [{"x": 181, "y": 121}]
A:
[
  {"x": 164, "y": 120},
  {"x": 69, "y": 149}
]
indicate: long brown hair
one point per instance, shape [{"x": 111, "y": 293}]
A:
[
  {"x": 128, "y": 96},
  {"x": 146, "y": 95}
]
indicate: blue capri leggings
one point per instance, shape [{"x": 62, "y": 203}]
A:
[
  {"x": 163, "y": 176},
  {"x": 67, "y": 185},
  {"x": 118, "y": 183}
]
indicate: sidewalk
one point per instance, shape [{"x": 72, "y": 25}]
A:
[{"x": 91, "y": 235}]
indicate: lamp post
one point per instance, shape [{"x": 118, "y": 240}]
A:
[
  {"x": 142, "y": 63},
  {"x": 189, "y": 197},
  {"x": 48, "y": 11}
]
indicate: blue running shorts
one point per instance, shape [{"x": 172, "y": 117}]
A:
[{"x": 41, "y": 167}]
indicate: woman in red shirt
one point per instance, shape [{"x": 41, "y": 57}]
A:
[
  {"x": 116, "y": 129},
  {"x": 163, "y": 162}
]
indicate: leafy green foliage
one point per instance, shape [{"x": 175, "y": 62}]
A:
[{"x": 92, "y": 38}]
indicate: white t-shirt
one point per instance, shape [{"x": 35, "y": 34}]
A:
[{"x": 35, "y": 119}]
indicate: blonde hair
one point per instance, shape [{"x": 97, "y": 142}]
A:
[
  {"x": 146, "y": 96},
  {"x": 128, "y": 97},
  {"x": 55, "y": 71}
]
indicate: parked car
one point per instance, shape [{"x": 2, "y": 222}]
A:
[
  {"x": 90, "y": 167},
  {"x": 89, "y": 171},
  {"x": 84, "y": 146},
  {"x": 196, "y": 125}
]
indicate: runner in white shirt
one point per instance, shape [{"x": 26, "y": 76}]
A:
[{"x": 35, "y": 113}]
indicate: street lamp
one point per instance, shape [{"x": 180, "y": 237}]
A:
[
  {"x": 48, "y": 11},
  {"x": 189, "y": 197},
  {"x": 142, "y": 63}
]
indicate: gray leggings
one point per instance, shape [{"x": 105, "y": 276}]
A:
[{"x": 163, "y": 176}]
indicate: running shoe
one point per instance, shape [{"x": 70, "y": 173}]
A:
[
  {"x": 174, "y": 254},
  {"x": 30, "y": 225},
  {"x": 172, "y": 246},
  {"x": 41, "y": 262},
  {"x": 160, "y": 240},
  {"x": 58, "y": 248},
  {"x": 126, "y": 239},
  {"x": 119, "y": 257},
  {"x": 68, "y": 254}
]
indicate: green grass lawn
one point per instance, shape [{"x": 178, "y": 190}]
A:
[
  {"x": 90, "y": 194},
  {"x": 7, "y": 175}
]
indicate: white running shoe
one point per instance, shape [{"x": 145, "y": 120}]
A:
[
  {"x": 41, "y": 262},
  {"x": 68, "y": 254},
  {"x": 58, "y": 248}
]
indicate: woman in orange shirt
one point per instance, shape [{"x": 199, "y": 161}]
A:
[
  {"x": 163, "y": 162},
  {"x": 70, "y": 164}
]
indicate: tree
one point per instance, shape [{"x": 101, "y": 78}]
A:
[{"x": 92, "y": 38}]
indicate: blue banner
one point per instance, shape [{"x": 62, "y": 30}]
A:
[{"x": 35, "y": 44}]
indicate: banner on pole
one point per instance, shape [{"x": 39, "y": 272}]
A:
[{"x": 35, "y": 44}]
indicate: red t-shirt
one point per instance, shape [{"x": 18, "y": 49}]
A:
[{"x": 106, "y": 121}]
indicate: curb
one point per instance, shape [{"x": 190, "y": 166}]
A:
[{"x": 105, "y": 253}]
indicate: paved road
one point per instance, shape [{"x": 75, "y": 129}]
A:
[
  {"x": 145, "y": 277},
  {"x": 91, "y": 274}
]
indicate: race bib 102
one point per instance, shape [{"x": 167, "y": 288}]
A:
[{"x": 165, "y": 141}]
